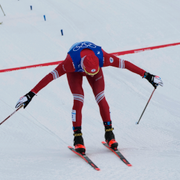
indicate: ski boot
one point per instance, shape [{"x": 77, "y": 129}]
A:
[
  {"x": 78, "y": 142},
  {"x": 110, "y": 138}
]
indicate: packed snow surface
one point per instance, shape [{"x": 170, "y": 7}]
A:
[{"x": 33, "y": 142}]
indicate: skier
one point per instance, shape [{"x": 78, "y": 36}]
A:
[{"x": 87, "y": 59}]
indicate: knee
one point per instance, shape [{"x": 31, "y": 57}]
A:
[
  {"x": 78, "y": 100},
  {"x": 99, "y": 97}
]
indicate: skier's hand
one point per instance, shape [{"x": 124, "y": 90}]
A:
[
  {"x": 154, "y": 80},
  {"x": 25, "y": 100}
]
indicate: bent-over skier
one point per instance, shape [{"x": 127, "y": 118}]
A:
[{"x": 87, "y": 59}]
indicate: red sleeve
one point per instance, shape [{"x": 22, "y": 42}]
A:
[
  {"x": 64, "y": 67},
  {"x": 111, "y": 60},
  {"x": 46, "y": 80},
  {"x": 133, "y": 68}
]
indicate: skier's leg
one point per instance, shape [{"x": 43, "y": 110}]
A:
[
  {"x": 75, "y": 84},
  {"x": 98, "y": 85}
]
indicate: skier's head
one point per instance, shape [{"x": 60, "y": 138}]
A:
[{"x": 90, "y": 64}]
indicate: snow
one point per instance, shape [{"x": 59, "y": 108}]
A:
[{"x": 33, "y": 142}]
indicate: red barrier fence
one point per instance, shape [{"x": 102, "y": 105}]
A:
[
  {"x": 143, "y": 49},
  {"x": 30, "y": 66},
  {"x": 115, "y": 53}
]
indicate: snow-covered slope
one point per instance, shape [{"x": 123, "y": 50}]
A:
[{"x": 33, "y": 142}]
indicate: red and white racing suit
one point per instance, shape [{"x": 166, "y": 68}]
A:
[{"x": 96, "y": 82}]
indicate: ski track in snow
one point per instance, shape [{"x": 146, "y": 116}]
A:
[{"x": 33, "y": 142}]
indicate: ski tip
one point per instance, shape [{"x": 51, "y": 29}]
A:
[
  {"x": 129, "y": 165},
  {"x": 97, "y": 169},
  {"x": 103, "y": 142}
]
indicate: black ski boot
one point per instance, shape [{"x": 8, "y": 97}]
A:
[
  {"x": 110, "y": 138},
  {"x": 78, "y": 142}
]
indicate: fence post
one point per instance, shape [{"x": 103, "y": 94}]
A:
[
  {"x": 62, "y": 32},
  {"x": 44, "y": 17},
  {"x": 2, "y": 10}
]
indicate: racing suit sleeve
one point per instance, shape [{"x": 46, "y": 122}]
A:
[
  {"x": 64, "y": 67},
  {"x": 111, "y": 60}
]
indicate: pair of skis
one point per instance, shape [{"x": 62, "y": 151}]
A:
[{"x": 88, "y": 160}]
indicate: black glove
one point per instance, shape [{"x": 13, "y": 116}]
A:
[
  {"x": 25, "y": 100},
  {"x": 154, "y": 80}
]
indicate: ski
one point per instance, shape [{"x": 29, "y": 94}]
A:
[
  {"x": 85, "y": 157},
  {"x": 117, "y": 152}
]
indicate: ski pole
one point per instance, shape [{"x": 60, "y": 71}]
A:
[
  {"x": 146, "y": 106},
  {"x": 2, "y": 10},
  {"x": 11, "y": 114}
]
